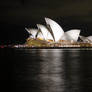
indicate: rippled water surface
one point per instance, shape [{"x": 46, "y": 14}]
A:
[{"x": 46, "y": 70}]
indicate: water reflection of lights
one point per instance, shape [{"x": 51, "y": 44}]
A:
[
  {"x": 52, "y": 61},
  {"x": 52, "y": 72}
]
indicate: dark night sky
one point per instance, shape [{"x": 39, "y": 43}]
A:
[{"x": 16, "y": 14}]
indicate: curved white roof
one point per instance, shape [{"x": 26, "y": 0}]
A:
[
  {"x": 56, "y": 29},
  {"x": 45, "y": 32},
  {"x": 90, "y": 38},
  {"x": 40, "y": 35},
  {"x": 33, "y": 32},
  {"x": 71, "y": 35},
  {"x": 84, "y": 39}
]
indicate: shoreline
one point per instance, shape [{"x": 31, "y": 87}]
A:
[{"x": 43, "y": 47}]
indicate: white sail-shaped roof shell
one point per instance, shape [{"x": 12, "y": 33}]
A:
[
  {"x": 90, "y": 38},
  {"x": 55, "y": 28},
  {"x": 71, "y": 35},
  {"x": 40, "y": 35},
  {"x": 32, "y": 32},
  {"x": 45, "y": 32},
  {"x": 84, "y": 39}
]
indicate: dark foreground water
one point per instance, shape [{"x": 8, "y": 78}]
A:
[{"x": 46, "y": 70}]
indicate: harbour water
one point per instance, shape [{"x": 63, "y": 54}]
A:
[{"x": 46, "y": 70}]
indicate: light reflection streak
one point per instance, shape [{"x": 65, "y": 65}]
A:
[{"x": 52, "y": 72}]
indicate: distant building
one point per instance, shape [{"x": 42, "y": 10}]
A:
[{"x": 54, "y": 32}]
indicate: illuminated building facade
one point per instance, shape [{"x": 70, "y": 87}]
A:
[{"x": 55, "y": 33}]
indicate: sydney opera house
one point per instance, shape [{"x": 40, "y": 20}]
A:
[{"x": 53, "y": 35}]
